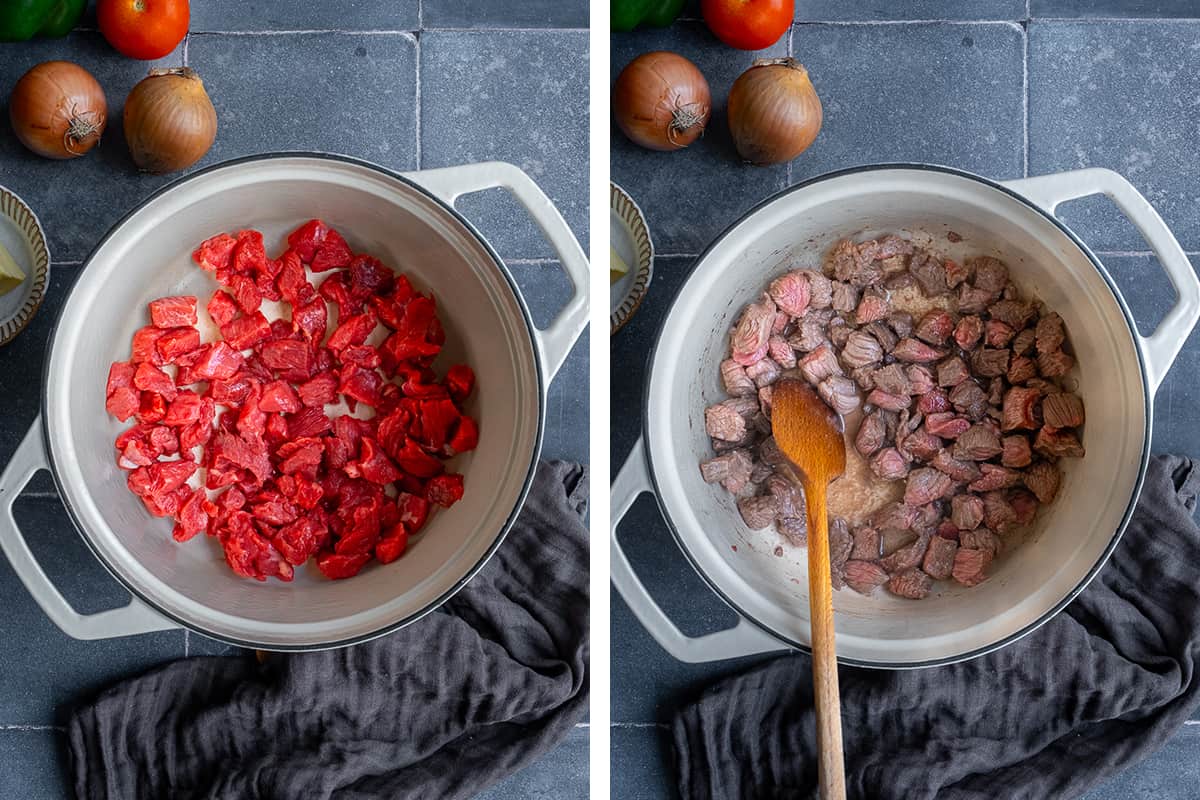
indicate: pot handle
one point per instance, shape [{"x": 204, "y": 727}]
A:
[
  {"x": 743, "y": 639},
  {"x": 1162, "y": 346},
  {"x": 137, "y": 617},
  {"x": 450, "y": 183}
]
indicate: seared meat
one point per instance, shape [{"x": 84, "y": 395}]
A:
[
  {"x": 938, "y": 562},
  {"x": 968, "y": 332},
  {"x": 1022, "y": 409},
  {"x": 1024, "y": 341},
  {"x": 748, "y": 341},
  {"x": 966, "y": 511},
  {"x": 952, "y": 372},
  {"x": 889, "y": 465},
  {"x": 1054, "y": 443},
  {"x": 998, "y": 513},
  {"x": 1050, "y": 333},
  {"x": 871, "y": 434},
  {"x": 994, "y": 477},
  {"x": 763, "y": 372},
  {"x": 947, "y": 425},
  {"x": 908, "y": 556},
  {"x": 973, "y": 301},
  {"x": 977, "y": 443},
  {"x": 735, "y": 380},
  {"x": 970, "y": 566},
  {"x": 920, "y": 445},
  {"x": 864, "y": 577},
  {"x": 883, "y": 334},
  {"x": 900, "y": 322},
  {"x": 727, "y": 420},
  {"x": 866, "y": 544},
  {"x": 861, "y": 349},
  {"x": 845, "y": 297},
  {"x": 1043, "y": 479},
  {"x": 779, "y": 351},
  {"x": 871, "y": 308},
  {"x": 916, "y": 351},
  {"x": 788, "y": 495},
  {"x": 794, "y": 529},
  {"x": 1015, "y": 313},
  {"x": 926, "y": 485},
  {"x": 921, "y": 377},
  {"x": 913, "y": 584},
  {"x": 735, "y": 464},
  {"x": 1062, "y": 410},
  {"x": 981, "y": 539},
  {"x": 958, "y": 470},
  {"x": 889, "y": 402},
  {"x": 969, "y": 399},
  {"x": 935, "y": 327},
  {"x": 1016, "y": 452},
  {"x": 990, "y": 274},
  {"x": 758, "y": 512},
  {"x": 1021, "y": 369},
  {"x": 819, "y": 365},
  {"x": 935, "y": 402},
  {"x": 1054, "y": 364},
  {"x": 839, "y": 393},
  {"x": 930, "y": 273},
  {"x": 989, "y": 363},
  {"x": 893, "y": 380},
  {"x": 790, "y": 292}
]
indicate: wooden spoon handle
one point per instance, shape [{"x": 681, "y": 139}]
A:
[{"x": 831, "y": 772}]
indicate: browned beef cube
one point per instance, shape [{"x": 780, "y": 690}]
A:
[
  {"x": 974, "y": 301},
  {"x": 748, "y": 339},
  {"x": 935, "y": 327},
  {"x": 930, "y": 273},
  {"x": 1054, "y": 364},
  {"x": 864, "y": 377},
  {"x": 861, "y": 350},
  {"x": 952, "y": 372},
  {"x": 770, "y": 454},
  {"x": 1054, "y": 443},
  {"x": 956, "y": 469},
  {"x": 1062, "y": 410},
  {"x": 920, "y": 445},
  {"x": 734, "y": 464},
  {"x": 935, "y": 402},
  {"x": 988, "y": 362},
  {"x": 1016, "y": 451},
  {"x": 981, "y": 539},
  {"x": 889, "y": 402},
  {"x": 900, "y": 281},
  {"x": 871, "y": 308},
  {"x": 839, "y": 393},
  {"x": 907, "y": 557},
  {"x": 914, "y": 584},
  {"x": 997, "y": 333},
  {"x": 926, "y": 485},
  {"x": 994, "y": 477},
  {"x": 1022, "y": 409},
  {"x": 781, "y": 352},
  {"x": 968, "y": 332},
  {"x": 995, "y": 396},
  {"x": 839, "y": 332},
  {"x": 794, "y": 529},
  {"x": 845, "y": 297},
  {"x": 966, "y": 511},
  {"x": 790, "y": 293},
  {"x": 946, "y": 425},
  {"x": 1021, "y": 369},
  {"x": 990, "y": 274},
  {"x": 761, "y": 473},
  {"x": 883, "y": 334},
  {"x": 893, "y": 245},
  {"x": 970, "y": 566},
  {"x": 1014, "y": 313},
  {"x": 764, "y": 372},
  {"x": 956, "y": 273},
  {"x": 894, "y": 516},
  {"x": 921, "y": 377},
  {"x": 998, "y": 512},
  {"x": 946, "y": 529},
  {"x": 1043, "y": 479},
  {"x": 728, "y": 419},
  {"x": 871, "y": 434},
  {"x": 893, "y": 380},
  {"x": 889, "y": 465},
  {"x": 901, "y": 322},
  {"x": 866, "y": 544},
  {"x": 1024, "y": 341},
  {"x": 864, "y": 577},
  {"x": 912, "y": 350},
  {"x": 1050, "y": 333},
  {"x": 969, "y": 399},
  {"x": 810, "y": 335},
  {"x": 819, "y": 365},
  {"x": 894, "y": 265},
  {"x": 1024, "y": 504},
  {"x": 939, "y": 558},
  {"x": 735, "y": 380},
  {"x": 758, "y": 512},
  {"x": 977, "y": 443},
  {"x": 789, "y": 496},
  {"x": 840, "y": 545}
]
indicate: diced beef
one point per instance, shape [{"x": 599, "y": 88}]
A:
[
  {"x": 988, "y": 362},
  {"x": 935, "y": 327},
  {"x": 981, "y": 539},
  {"x": 1043, "y": 479},
  {"x": 1016, "y": 451},
  {"x": 913, "y": 584},
  {"x": 820, "y": 290},
  {"x": 894, "y": 516},
  {"x": 998, "y": 513},
  {"x": 970, "y": 566},
  {"x": 1050, "y": 333},
  {"x": 790, "y": 292},
  {"x": 845, "y": 297},
  {"x": 889, "y": 465},
  {"x": 811, "y": 335},
  {"x": 819, "y": 365},
  {"x": 921, "y": 377},
  {"x": 994, "y": 477},
  {"x": 930, "y": 273},
  {"x": 1024, "y": 341},
  {"x": 1022, "y": 409},
  {"x": 908, "y": 556},
  {"x": 761, "y": 473},
  {"x": 173, "y": 312},
  {"x": 866, "y": 544},
  {"x": 990, "y": 274},
  {"x": 1014, "y": 313},
  {"x": 969, "y": 399},
  {"x": 966, "y": 511},
  {"x": 938, "y": 562},
  {"x": 757, "y": 512},
  {"x": 763, "y": 372},
  {"x": 1054, "y": 364},
  {"x": 901, "y": 322},
  {"x": 998, "y": 334},
  {"x": 958, "y": 470},
  {"x": 956, "y": 273},
  {"x": 1054, "y": 443},
  {"x": 770, "y": 454},
  {"x": 789, "y": 496},
  {"x": 856, "y": 263},
  {"x": 1021, "y": 369},
  {"x": 920, "y": 445},
  {"x": 840, "y": 545},
  {"x": 952, "y": 372},
  {"x": 888, "y": 402},
  {"x": 871, "y": 434},
  {"x": 1024, "y": 504},
  {"x": 946, "y": 425},
  {"x": 780, "y": 352},
  {"x": 926, "y": 485},
  {"x": 748, "y": 341},
  {"x": 736, "y": 465},
  {"x": 893, "y": 380},
  {"x": 839, "y": 393},
  {"x": 968, "y": 332},
  {"x": 934, "y": 402},
  {"x": 883, "y": 334},
  {"x": 861, "y": 349},
  {"x": 977, "y": 443},
  {"x": 871, "y": 308},
  {"x": 735, "y": 380},
  {"x": 974, "y": 301},
  {"x": 863, "y": 576},
  {"x": 764, "y": 399},
  {"x": 915, "y": 351},
  {"x": 1062, "y": 410},
  {"x": 727, "y": 419},
  {"x": 794, "y": 529}
]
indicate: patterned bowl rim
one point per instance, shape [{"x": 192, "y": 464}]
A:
[
  {"x": 635, "y": 221},
  {"x": 16, "y": 209}
]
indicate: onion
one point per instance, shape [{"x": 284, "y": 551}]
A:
[
  {"x": 661, "y": 101},
  {"x": 169, "y": 120},
  {"x": 58, "y": 110},
  {"x": 774, "y": 111}
]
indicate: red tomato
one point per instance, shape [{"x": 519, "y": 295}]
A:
[
  {"x": 748, "y": 24},
  {"x": 145, "y": 29}
]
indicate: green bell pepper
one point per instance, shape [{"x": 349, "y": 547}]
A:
[
  {"x": 21, "y": 20},
  {"x": 628, "y": 14}
]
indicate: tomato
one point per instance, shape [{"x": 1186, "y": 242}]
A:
[
  {"x": 748, "y": 24},
  {"x": 145, "y": 29}
]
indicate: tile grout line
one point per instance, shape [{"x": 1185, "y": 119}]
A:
[
  {"x": 383, "y": 31},
  {"x": 421, "y": 15},
  {"x": 186, "y": 643},
  {"x": 186, "y": 41},
  {"x": 638, "y": 725},
  {"x": 1025, "y": 96},
  {"x": 20, "y": 728},
  {"x": 417, "y": 102}
]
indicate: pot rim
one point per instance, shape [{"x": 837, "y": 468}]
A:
[
  {"x": 537, "y": 361},
  {"x": 1142, "y": 466}
]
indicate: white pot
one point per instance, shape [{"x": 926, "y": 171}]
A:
[
  {"x": 1119, "y": 372},
  {"x": 409, "y": 222}
]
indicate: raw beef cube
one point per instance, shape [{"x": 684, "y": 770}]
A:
[
  {"x": 221, "y": 308},
  {"x": 150, "y": 378},
  {"x": 246, "y": 332},
  {"x": 176, "y": 343},
  {"x": 219, "y": 361},
  {"x": 173, "y": 312}
]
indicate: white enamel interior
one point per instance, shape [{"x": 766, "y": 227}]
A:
[
  {"x": 1069, "y": 538},
  {"x": 149, "y": 256}
]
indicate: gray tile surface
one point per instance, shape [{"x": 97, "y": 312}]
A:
[
  {"x": 489, "y": 14},
  {"x": 472, "y": 109},
  {"x": 1120, "y": 95},
  {"x": 639, "y": 760},
  {"x": 270, "y": 15},
  {"x": 912, "y": 9},
  {"x": 1114, "y": 8},
  {"x": 1173, "y": 771},
  {"x": 343, "y": 93},
  {"x": 33, "y": 765},
  {"x": 561, "y": 774}
]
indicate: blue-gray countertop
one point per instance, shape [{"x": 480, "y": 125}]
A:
[
  {"x": 405, "y": 83},
  {"x": 1005, "y": 89}
]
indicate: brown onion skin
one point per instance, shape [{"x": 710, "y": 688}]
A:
[
  {"x": 170, "y": 122},
  {"x": 774, "y": 111},
  {"x": 661, "y": 101},
  {"x": 58, "y": 110}
]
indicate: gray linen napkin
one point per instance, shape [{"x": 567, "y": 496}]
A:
[
  {"x": 442, "y": 708},
  {"x": 1091, "y": 692}
]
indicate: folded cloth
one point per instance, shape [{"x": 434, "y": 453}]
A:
[
  {"x": 1091, "y": 692},
  {"x": 442, "y": 708}
]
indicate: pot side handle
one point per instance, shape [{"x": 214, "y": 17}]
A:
[
  {"x": 1162, "y": 346},
  {"x": 743, "y": 639},
  {"x": 450, "y": 183},
  {"x": 137, "y": 617}
]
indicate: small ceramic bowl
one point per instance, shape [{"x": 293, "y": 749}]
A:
[
  {"x": 23, "y": 237},
  {"x": 630, "y": 237}
]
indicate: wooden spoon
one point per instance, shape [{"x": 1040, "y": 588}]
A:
[{"x": 810, "y": 435}]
